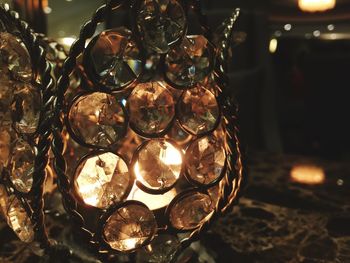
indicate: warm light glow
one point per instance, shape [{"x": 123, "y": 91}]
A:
[
  {"x": 307, "y": 174},
  {"x": 273, "y": 45},
  {"x": 164, "y": 171},
  {"x": 153, "y": 202},
  {"x": 316, "y": 5},
  {"x": 130, "y": 243},
  {"x": 171, "y": 156},
  {"x": 66, "y": 41}
]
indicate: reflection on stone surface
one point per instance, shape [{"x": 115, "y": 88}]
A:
[
  {"x": 115, "y": 58},
  {"x": 162, "y": 250},
  {"x": 198, "y": 111},
  {"x": 26, "y": 107},
  {"x": 190, "y": 62},
  {"x": 97, "y": 119},
  {"x": 102, "y": 180},
  {"x": 161, "y": 22},
  {"x": 151, "y": 107},
  {"x": 190, "y": 211},
  {"x": 205, "y": 160},
  {"x": 22, "y": 165},
  {"x": 14, "y": 58},
  {"x": 15, "y": 215},
  {"x": 158, "y": 164},
  {"x": 130, "y": 227},
  {"x": 307, "y": 174}
]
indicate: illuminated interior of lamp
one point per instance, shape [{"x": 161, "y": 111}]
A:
[
  {"x": 308, "y": 174},
  {"x": 153, "y": 202},
  {"x": 316, "y": 5},
  {"x": 171, "y": 156}
]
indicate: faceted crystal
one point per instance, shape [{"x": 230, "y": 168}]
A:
[
  {"x": 22, "y": 166},
  {"x": 161, "y": 250},
  {"x": 14, "y": 58},
  {"x": 179, "y": 135},
  {"x": 6, "y": 98},
  {"x": 13, "y": 212},
  {"x": 102, "y": 180},
  {"x": 198, "y": 111},
  {"x": 5, "y": 140},
  {"x": 130, "y": 227},
  {"x": 26, "y": 107},
  {"x": 151, "y": 108},
  {"x": 158, "y": 164},
  {"x": 161, "y": 23},
  {"x": 210, "y": 84},
  {"x": 129, "y": 144},
  {"x": 214, "y": 193},
  {"x": 190, "y": 211},
  {"x": 190, "y": 62},
  {"x": 115, "y": 58},
  {"x": 97, "y": 119},
  {"x": 205, "y": 160},
  {"x": 220, "y": 133}
]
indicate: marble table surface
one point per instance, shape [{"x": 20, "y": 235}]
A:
[{"x": 281, "y": 218}]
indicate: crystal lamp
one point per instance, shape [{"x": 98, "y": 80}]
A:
[
  {"x": 150, "y": 130},
  {"x": 142, "y": 128}
]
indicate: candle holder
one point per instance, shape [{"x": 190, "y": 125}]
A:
[
  {"x": 155, "y": 125},
  {"x": 26, "y": 95}
]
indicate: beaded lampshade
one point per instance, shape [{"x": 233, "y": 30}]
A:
[
  {"x": 26, "y": 92},
  {"x": 150, "y": 129}
]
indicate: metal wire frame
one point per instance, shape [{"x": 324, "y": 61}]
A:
[
  {"x": 233, "y": 177},
  {"x": 33, "y": 201}
]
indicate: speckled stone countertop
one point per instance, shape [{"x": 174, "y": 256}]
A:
[{"x": 280, "y": 219}]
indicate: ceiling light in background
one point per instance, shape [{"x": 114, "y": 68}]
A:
[
  {"x": 278, "y": 33},
  {"x": 287, "y": 27},
  {"x": 316, "y": 5},
  {"x": 330, "y": 27},
  {"x": 316, "y": 33}
]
